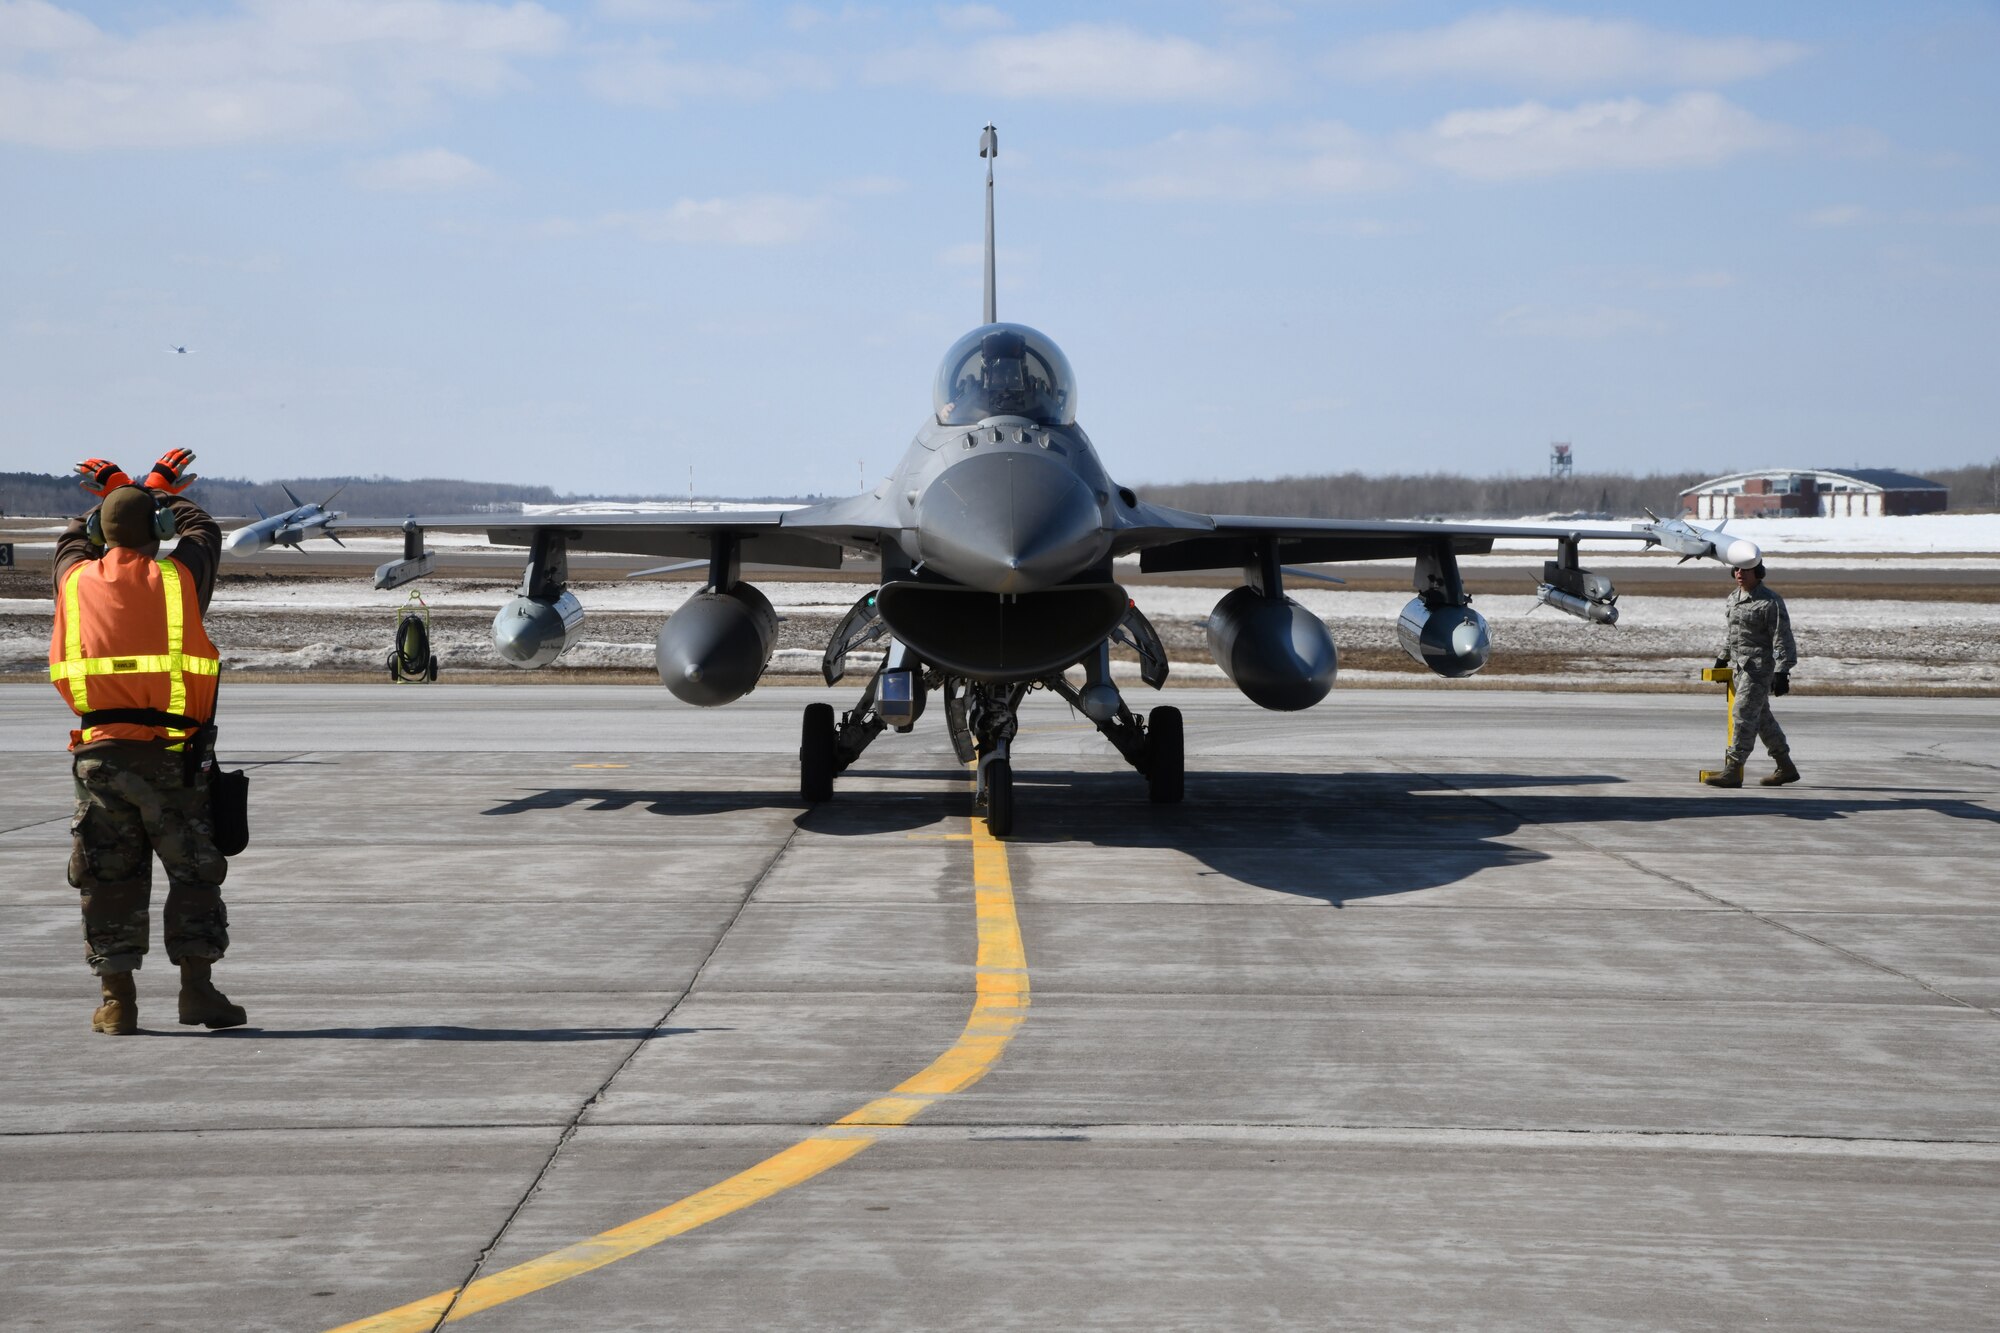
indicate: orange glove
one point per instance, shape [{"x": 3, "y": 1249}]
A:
[
  {"x": 171, "y": 473},
  {"x": 101, "y": 476}
]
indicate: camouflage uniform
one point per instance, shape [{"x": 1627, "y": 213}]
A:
[
  {"x": 1758, "y": 644},
  {"x": 135, "y": 800}
]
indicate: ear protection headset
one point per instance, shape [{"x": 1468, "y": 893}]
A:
[{"x": 163, "y": 522}]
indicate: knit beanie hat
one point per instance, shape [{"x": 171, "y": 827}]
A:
[{"x": 127, "y": 517}]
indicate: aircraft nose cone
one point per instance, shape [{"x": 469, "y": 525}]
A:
[{"x": 1010, "y": 522}]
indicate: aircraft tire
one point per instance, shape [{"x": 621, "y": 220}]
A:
[
  {"x": 817, "y": 758},
  {"x": 1166, "y": 771},
  {"x": 1000, "y": 798}
]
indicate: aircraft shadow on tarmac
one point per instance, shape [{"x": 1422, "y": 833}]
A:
[{"x": 1336, "y": 837}]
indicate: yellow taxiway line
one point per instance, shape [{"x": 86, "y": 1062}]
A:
[{"x": 999, "y": 1008}]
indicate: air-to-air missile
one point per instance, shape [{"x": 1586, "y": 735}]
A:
[
  {"x": 1587, "y": 596},
  {"x": 287, "y": 529}
]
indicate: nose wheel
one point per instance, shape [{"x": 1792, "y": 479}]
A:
[{"x": 997, "y": 784}]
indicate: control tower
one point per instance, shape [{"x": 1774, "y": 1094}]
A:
[{"x": 1560, "y": 461}]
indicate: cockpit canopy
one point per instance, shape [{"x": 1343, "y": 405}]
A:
[{"x": 1005, "y": 370}]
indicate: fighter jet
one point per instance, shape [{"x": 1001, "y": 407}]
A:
[
  {"x": 996, "y": 543},
  {"x": 290, "y": 528}
]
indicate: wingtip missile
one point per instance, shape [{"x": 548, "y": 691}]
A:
[{"x": 1693, "y": 542}]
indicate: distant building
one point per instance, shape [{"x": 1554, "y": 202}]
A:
[{"x": 1861, "y": 492}]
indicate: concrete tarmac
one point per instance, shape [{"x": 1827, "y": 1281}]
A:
[{"x": 1439, "y": 1011}]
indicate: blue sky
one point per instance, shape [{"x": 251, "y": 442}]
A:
[{"x": 593, "y": 245}]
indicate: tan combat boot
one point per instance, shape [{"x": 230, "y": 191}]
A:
[
  {"x": 118, "y": 1016},
  {"x": 1730, "y": 776},
  {"x": 202, "y": 1003},
  {"x": 1785, "y": 772}
]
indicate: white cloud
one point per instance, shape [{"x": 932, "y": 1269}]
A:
[
  {"x": 1527, "y": 48},
  {"x": 1596, "y": 322},
  {"x": 35, "y": 25},
  {"x": 1313, "y": 159},
  {"x": 972, "y": 18},
  {"x": 748, "y": 220},
  {"x": 1854, "y": 215},
  {"x": 1707, "y": 280},
  {"x": 271, "y": 70},
  {"x": 646, "y": 76},
  {"x": 805, "y": 18},
  {"x": 1507, "y": 143},
  {"x": 871, "y": 186},
  {"x": 659, "y": 11},
  {"x": 423, "y": 171},
  {"x": 1084, "y": 62}
]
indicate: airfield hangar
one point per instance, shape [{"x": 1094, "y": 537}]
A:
[{"x": 1865, "y": 492}]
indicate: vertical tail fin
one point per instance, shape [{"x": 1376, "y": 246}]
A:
[
  {"x": 296, "y": 502},
  {"x": 989, "y": 148}
]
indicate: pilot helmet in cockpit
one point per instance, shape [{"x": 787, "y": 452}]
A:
[{"x": 1005, "y": 370}]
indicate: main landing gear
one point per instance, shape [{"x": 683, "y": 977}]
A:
[{"x": 982, "y": 720}]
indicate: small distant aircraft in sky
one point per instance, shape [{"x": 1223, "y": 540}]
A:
[
  {"x": 183, "y": 351},
  {"x": 287, "y": 529}
]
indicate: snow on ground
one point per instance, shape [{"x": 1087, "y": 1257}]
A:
[
  {"x": 659, "y": 507},
  {"x": 1916, "y": 534}
]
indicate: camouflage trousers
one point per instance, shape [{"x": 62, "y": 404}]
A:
[
  {"x": 133, "y": 802},
  {"x": 1752, "y": 721}
]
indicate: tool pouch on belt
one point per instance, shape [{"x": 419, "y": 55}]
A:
[
  {"x": 229, "y": 809},
  {"x": 228, "y": 792}
]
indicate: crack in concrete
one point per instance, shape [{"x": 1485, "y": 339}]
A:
[{"x": 569, "y": 1130}]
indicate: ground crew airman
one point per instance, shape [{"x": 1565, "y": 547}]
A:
[
  {"x": 131, "y": 658},
  {"x": 1758, "y": 645}
]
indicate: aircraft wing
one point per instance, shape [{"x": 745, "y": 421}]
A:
[
  {"x": 1188, "y": 541},
  {"x": 808, "y": 538}
]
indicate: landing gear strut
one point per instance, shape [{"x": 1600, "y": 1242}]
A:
[
  {"x": 1155, "y": 747},
  {"x": 991, "y": 717},
  {"x": 826, "y": 748}
]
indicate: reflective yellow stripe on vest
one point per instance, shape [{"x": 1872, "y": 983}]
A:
[
  {"x": 175, "y": 664},
  {"x": 79, "y": 692}
]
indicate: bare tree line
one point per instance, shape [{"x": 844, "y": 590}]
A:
[
  {"x": 1445, "y": 495},
  {"x": 375, "y": 497},
  {"x": 1338, "y": 495}
]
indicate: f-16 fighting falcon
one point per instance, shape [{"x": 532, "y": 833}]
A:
[{"x": 996, "y": 540}]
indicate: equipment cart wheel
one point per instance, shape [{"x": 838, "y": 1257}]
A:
[
  {"x": 817, "y": 757},
  {"x": 431, "y": 669},
  {"x": 1166, "y": 769},
  {"x": 1000, "y": 798}
]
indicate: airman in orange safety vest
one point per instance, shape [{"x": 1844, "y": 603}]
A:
[{"x": 131, "y": 658}]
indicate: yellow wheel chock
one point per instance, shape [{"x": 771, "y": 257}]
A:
[{"x": 1725, "y": 676}]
